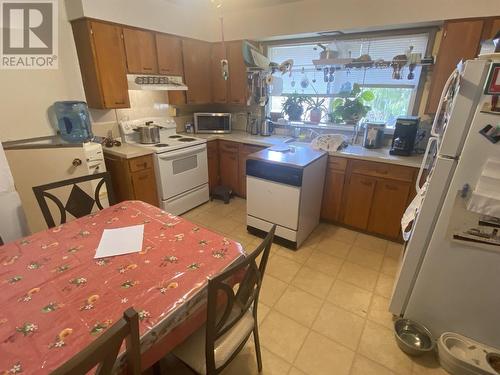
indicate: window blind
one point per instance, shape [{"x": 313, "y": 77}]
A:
[{"x": 306, "y": 79}]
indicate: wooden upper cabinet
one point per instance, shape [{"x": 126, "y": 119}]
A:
[
  {"x": 238, "y": 82},
  {"x": 219, "y": 84},
  {"x": 197, "y": 70},
  {"x": 169, "y": 52},
  {"x": 460, "y": 41},
  {"x": 102, "y": 63},
  {"x": 491, "y": 28},
  {"x": 140, "y": 47}
]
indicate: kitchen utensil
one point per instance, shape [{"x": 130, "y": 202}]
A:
[
  {"x": 326, "y": 52},
  {"x": 304, "y": 83},
  {"x": 412, "y": 338},
  {"x": 398, "y": 62},
  {"x": 149, "y": 133},
  {"x": 374, "y": 135}
]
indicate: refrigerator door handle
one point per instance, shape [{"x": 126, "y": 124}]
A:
[
  {"x": 424, "y": 160},
  {"x": 447, "y": 85}
]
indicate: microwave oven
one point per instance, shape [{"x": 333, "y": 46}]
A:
[{"x": 212, "y": 123}]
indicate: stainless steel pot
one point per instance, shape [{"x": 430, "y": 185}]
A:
[{"x": 149, "y": 133}]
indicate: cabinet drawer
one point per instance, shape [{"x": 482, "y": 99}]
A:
[
  {"x": 138, "y": 164},
  {"x": 228, "y": 146},
  {"x": 383, "y": 170},
  {"x": 336, "y": 163}
]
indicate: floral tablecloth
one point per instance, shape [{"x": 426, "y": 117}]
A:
[{"x": 55, "y": 298}]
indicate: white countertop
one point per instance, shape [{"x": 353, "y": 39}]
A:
[
  {"x": 127, "y": 151},
  {"x": 352, "y": 151}
]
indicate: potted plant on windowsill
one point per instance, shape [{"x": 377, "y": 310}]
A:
[
  {"x": 351, "y": 108},
  {"x": 292, "y": 107},
  {"x": 315, "y": 107}
]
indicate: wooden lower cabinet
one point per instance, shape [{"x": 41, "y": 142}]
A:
[
  {"x": 133, "y": 179},
  {"x": 213, "y": 164},
  {"x": 367, "y": 195},
  {"x": 229, "y": 165},
  {"x": 388, "y": 205},
  {"x": 332, "y": 195},
  {"x": 244, "y": 151},
  {"x": 358, "y": 200}
]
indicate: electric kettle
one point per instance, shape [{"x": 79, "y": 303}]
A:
[{"x": 266, "y": 127}]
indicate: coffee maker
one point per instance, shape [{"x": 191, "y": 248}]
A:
[{"x": 405, "y": 132}]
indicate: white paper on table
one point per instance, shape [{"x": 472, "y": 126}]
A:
[{"x": 120, "y": 241}]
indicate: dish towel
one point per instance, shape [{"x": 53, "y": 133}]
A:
[
  {"x": 485, "y": 199},
  {"x": 329, "y": 142}
]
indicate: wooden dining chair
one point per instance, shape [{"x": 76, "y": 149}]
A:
[
  {"x": 231, "y": 317},
  {"x": 79, "y": 203},
  {"x": 102, "y": 353}
]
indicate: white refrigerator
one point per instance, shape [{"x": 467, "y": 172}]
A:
[{"x": 447, "y": 281}]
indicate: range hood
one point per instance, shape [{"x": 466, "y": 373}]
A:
[{"x": 155, "y": 82}]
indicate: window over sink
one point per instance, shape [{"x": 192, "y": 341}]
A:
[{"x": 393, "y": 97}]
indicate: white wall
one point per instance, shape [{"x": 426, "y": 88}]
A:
[
  {"x": 310, "y": 16},
  {"x": 159, "y": 15},
  {"x": 25, "y": 95}
]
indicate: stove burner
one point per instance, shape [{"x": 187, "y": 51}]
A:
[
  {"x": 175, "y": 136},
  {"x": 186, "y": 140},
  {"x": 161, "y": 145}
]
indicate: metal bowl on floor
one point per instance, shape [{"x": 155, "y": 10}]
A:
[{"x": 412, "y": 338}]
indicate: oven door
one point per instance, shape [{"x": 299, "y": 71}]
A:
[{"x": 181, "y": 170}]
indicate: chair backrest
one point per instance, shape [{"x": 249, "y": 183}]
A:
[
  {"x": 223, "y": 313},
  {"x": 102, "y": 353},
  {"x": 79, "y": 203}
]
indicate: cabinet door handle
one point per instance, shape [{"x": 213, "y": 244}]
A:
[
  {"x": 165, "y": 70},
  {"x": 122, "y": 102},
  {"x": 146, "y": 68},
  {"x": 145, "y": 177},
  {"x": 391, "y": 187}
]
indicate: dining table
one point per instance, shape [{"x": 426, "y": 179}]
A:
[{"x": 56, "y": 298}]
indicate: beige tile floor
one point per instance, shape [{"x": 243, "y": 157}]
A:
[{"x": 323, "y": 308}]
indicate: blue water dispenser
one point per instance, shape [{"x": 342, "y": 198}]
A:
[{"x": 73, "y": 121}]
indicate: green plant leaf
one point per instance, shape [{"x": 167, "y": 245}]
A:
[{"x": 367, "y": 96}]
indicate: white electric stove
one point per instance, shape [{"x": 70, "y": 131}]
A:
[{"x": 181, "y": 165}]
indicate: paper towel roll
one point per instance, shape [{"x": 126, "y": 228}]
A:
[{"x": 6, "y": 180}]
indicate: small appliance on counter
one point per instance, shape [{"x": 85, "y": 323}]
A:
[
  {"x": 266, "y": 127},
  {"x": 374, "y": 135},
  {"x": 73, "y": 121},
  {"x": 212, "y": 122},
  {"x": 405, "y": 132}
]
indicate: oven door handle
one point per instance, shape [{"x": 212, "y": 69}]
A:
[{"x": 183, "y": 152}]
